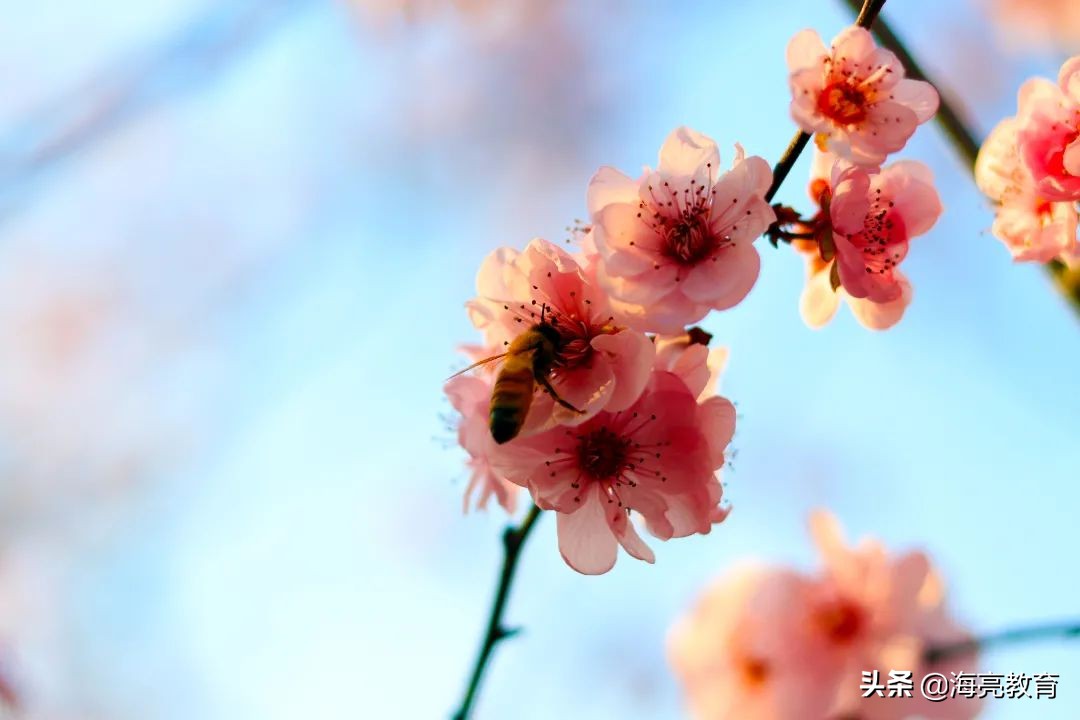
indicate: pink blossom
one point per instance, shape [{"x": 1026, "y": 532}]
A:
[
  {"x": 861, "y": 235},
  {"x": 678, "y": 241},
  {"x": 854, "y": 95},
  {"x": 736, "y": 653},
  {"x": 873, "y": 610},
  {"x": 779, "y": 644},
  {"x": 658, "y": 457},
  {"x": 1033, "y": 228},
  {"x": 1048, "y": 132},
  {"x": 599, "y": 364},
  {"x": 819, "y": 300},
  {"x": 471, "y": 397}
]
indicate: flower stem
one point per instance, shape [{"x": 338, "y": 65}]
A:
[
  {"x": 1063, "y": 630},
  {"x": 867, "y": 15},
  {"x": 963, "y": 139},
  {"x": 513, "y": 540}
]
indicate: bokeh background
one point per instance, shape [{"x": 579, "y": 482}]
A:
[{"x": 235, "y": 241}]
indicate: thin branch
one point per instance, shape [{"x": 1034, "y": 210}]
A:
[
  {"x": 1061, "y": 630},
  {"x": 513, "y": 540},
  {"x": 867, "y": 15},
  {"x": 964, "y": 140}
]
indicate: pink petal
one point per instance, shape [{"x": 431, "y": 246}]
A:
[
  {"x": 805, "y": 50},
  {"x": 610, "y": 186},
  {"x": 852, "y": 45},
  {"x": 887, "y": 129},
  {"x": 1071, "y": 158},
  {"x": 910, "y": 184},
  {"x": 806, "y": 85},
  {"x": 850, "y": 203},
  {"x": 919, "y": 96},
  {"x": 717, "y": 417},
  {"x": 630, "y": 354},
  {"x": 689, "y": 154},
  {"x": 669, "y": 314},
  {"x": 998, "y": 164},
  {"x": 724, "y": 281},
  {"x": 627, "y": 535},
  {"x": 691, "y": 365},
  {"x": 587, "y": 387},
  {"x": 623, "y": 240},
  {"x": 586, "y": 542},
  {"x": 1069, "y": 77},
  {"x": 819, "y": 301},
  {"x": 882, "y": 316}
]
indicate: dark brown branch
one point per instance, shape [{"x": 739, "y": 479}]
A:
[
  {"x": 513, "y": 540},
  {"x": 1066, "y": 630}
]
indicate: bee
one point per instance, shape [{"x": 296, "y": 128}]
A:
[{"x": 527, "y": 362}]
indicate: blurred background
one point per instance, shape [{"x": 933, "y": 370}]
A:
[{"x": 235, "y": 241}]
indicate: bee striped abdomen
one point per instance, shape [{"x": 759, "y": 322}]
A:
[{"x": 511, "y": 397}]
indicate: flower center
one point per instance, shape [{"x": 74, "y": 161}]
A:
[
  {"x": 755, "y": 671},
  {"x": 602, "y": 454},
  {"x": 689, "y": 241},
  {"x": 841, "y": 621},
  {"x": 843, "y": 103}
]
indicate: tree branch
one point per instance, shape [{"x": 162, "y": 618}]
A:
[
  {"x": 513, "y": 540},
  {"x": 1065, "y": 630}
]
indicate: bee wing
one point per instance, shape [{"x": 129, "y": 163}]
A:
[{"x": 478, "y": 363}]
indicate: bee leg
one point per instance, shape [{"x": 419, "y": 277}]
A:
[{"x": 546, "y": 384}]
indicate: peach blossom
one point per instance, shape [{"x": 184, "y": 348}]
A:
[
  {"x": 600, "y": 363},
  {"x": 734, "y": 652},
  {"x": 1033, "y": 228},
  {"x": 471, "y": 397},
  {"x": 861, "y": 235},
  {"x": 1048, "y": 132},
  {"x": 658, "y": 457},
  {"x": 778, "y": 644},
  {"x": 854, "y": 95},
  {"x": 819, "y": 301},
  {"x": 678, "y": 241},
  {"x": 874, "y": 215}
]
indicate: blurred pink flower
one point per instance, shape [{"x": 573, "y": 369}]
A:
[
  {"x": 1038, "y": 23},
  {"x": 854, "y": 95},
  {"x": 599, "y": 365},
  {"x": 1048, "y": 132},
  {"x": 679, "y": 241},
  {"x": 776, "y": 644},
  {"x": 1033, "y": 228},
  {"x": 868, "y": 216},
  {"x": 658, "y": 457},
  {"x": 471, "y": 397}
]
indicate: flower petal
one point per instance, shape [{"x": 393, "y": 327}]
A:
[
  {"x": 724, "y": 281},
  {"x": 630, "y": 355},
  {"x": 586, "y": 542}
]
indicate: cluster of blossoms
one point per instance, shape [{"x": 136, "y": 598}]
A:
[
  {"x": 1029, "y": 167},
  {"x": 778, "y": 644},
  {"x": 628, "y": 419},
  {"x": 855, "y": 99},
  {"x": 624, "y": 421}
]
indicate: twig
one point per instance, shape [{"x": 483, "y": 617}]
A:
[
  {"x": 1065, "y": 630},
  {"x": 513, "y": 540}
]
